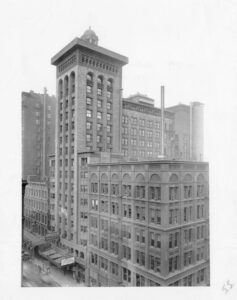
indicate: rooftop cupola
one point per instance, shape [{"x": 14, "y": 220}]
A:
[{"x": 90, "y": 36}]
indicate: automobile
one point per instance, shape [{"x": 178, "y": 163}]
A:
[{"x": 25, "y": 255}]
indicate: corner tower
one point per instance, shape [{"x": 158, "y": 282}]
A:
[{"x": 88, "y": 116}]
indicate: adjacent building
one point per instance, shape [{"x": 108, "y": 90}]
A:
[
  {"x": 38, "y": 133},
  {"x": 148, "y": 223},
  {"x": 188, "y": 126},
  {"x": 36, "y": 206},
  {"x": 142, "y": 129}
]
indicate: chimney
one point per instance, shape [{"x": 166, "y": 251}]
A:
[{"x": 162, "y": 104}]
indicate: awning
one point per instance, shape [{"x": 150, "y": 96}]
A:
[
  {"x": 57, "y": 258},
  {"x": 56, "y": 255},
  {"x": 48, "y": 252},
  {"x": 35, "y": 240}
]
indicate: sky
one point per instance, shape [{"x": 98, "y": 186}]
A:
[{"x": 188, "y": 46}]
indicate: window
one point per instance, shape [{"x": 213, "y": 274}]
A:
[
  {"x": 140, "y": 213},
  {"x": 114, "y": 268},
  {"x": 187, "y": 191},
  {"x": 126, "y": 252},
  {"x": 114, "y": 189},
  {"x": 109, "y": 117},
  {"x": 89, "y": 89},
  {"x": 154, "y": 263},
  {"x": 114, "y": 208},
  {"x": 155, "y": 193},
  {"x": 127, "y": 190},
  {"x": 173, "y": 263},
  {"x": 99, "y": 115},
  {"x": 124, "y": 130},
  {"x": 104, "y": 188},
  {"x": 94, "y": 187},
  {"x": 188, "y": 258},
  {"x": 99, "y": 126},
  {"x": 88, "y": 101},
  {"x": 109, "y": 128},
  {"x": 88, "y": 137},
  {"x": 173, "y": 193},
  {"x": 187, "y": 213},
  {"x": 200, "y": 190},
  {"x": 200, "y": 211},
  {"x": 126, "y": 275},
  {"x": 94, "y": 204},
  {"x": 188, "y": 280},
  {"x": 155, "y": 240},
  {"x": 200, "y": 276},
  {"x": 88, "y": 113},
  {"x": 114, "y": 247},
  {"x": 88, "y": 125},
  {"x": 104, "y": 206},
  {"x": 173, "y": 216},
  {"x": 140, "y": 257},
  {"x": 139, "y": 192},
  {"x": 109, "y": 105},
  {"x": 142, "y": 122},
  {"x": 99, "y": 103},
  {"x": 155, "y": 216},
  {"x": 125, "y": 119},
  {"x": 140, "y": 280}
]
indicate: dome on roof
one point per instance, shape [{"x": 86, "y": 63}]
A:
[{"x": 90, "y": 36}]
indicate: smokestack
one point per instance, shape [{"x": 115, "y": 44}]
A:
[{"x": 162, "y": 104}]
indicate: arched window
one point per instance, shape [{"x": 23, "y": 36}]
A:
[
  {"x": 82, "y": 255},
  {"x": 72, "y": 80},
  {"x": 109, "y": 88},
  {"x": 200, "y": 178},
  {"x": 173, "y": 188},
  {"x": 139, "y": 191},
  {"x": 126, "y": 187},
  {"x": 66, "y": 85},
  {"x": 115, "y": 185},
  {"x": 60, "y": 89},
  {"x": 155, "y": 188},
  {"x": 89, "y": 77},
  {"x": 188, "y": 188},
  {"x": 99, "y": 85},
  {"x": 94, "y": 183},
  {"x": 104, "y": 184},
  {"x": 200, "y": 186}
]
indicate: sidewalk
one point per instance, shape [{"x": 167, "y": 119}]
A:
[{"x": 57, "y": 274}]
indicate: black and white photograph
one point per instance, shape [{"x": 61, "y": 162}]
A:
[{"x": 125, "y": 149}]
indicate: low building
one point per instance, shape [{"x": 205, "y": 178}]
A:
[{"x": 36, "y": 207}]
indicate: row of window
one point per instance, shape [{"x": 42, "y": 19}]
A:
[
  {"x": 141, "y": 122},
  {"x": 142, "y": 132},
  {"x": 153, "y": 191},
  {"x": 35, "y": 192},
  {"x": 37, "y": 205}
]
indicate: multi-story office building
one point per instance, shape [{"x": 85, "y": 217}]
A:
[
  {"x": 142, "y": 132},
  {"x": 38, "y": 133},
  {"x": 148, "y": 221},
  {"x": 118, "y": 217},
  {"x": 188, "y": 125},
  {"x": 88, "y": 115},
  {"x": 36, "y": 207}
]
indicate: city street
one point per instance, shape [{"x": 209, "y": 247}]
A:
[{"x": 38, "y": 273}]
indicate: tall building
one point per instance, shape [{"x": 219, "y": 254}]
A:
[
  {"x": 125, "y": 222},
  {"x": 88, "y": 115},
  {"x": 38, "y": 133},
  {"x": 188, "y": 125},
  {"x": 142, "y": 129}
]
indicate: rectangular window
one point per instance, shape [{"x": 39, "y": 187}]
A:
[{"x": 99, "y": 115}]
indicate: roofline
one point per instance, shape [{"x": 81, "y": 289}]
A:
[
  {"x": 161, "y": 161},
  {"x": 77, "y": 43}
]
